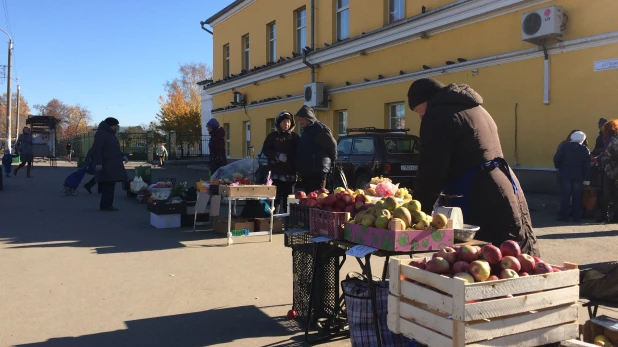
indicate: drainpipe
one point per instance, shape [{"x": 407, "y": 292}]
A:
[
  {"x": 202, "y": 23},
  {"x": 311, "y": 66},
  {"x": 312, "y": 24}
]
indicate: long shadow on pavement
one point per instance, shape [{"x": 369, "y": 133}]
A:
[{"x": 578, "y": 235}]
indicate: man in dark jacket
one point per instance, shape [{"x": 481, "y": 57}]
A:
[
  {"x": 573, "y": 163},
  {"x": 315, "y": 152},
  {"x": 599, "y": 145},
  {"x": 461, "y": 155},
  {"x": 279, "y": 147},
  {"x": 107, "y": 160},
  {"x": 216, "y": 145}
]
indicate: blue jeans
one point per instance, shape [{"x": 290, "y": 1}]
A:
[{"x": 571, "y": 190}]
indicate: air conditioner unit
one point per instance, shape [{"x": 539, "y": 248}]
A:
[
  {"x": 314, "y": 94},
  {"x": 542, "y": 24}
]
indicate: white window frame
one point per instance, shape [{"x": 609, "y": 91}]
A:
[
  {"x": 392, "y": 6},
  {"x": 340, "y": 11},
  {"x": 272, "y": 126},
  {"x": 226, "y": 60},
  {"x": 246, "y": 54},
  {"x": 341, "y": 113},
  {"x": 226, "y": 127},
  {"x": 301, "y": 29},
  {"x": 392, "y": 108},
  {"x": 272, "y": 42}
]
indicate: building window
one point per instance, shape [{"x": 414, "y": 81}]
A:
[
  {"x": 342, "y": 122},
  {"x": 301, "y": 30},
  {"x": 226, "y": 60},
  {"x": 245, "y": 52},
  {"x": 270, "y": 126},
  {"x": 396, "y": 115},
  {"x": 396, "y": 10},
  {"x": 272, "y": 42},
  {"x": 343, "y": 19},
  {"x": 226, "y": 127}
]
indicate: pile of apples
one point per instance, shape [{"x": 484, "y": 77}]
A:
[
  {"x": 342, "y": 200},
  {"x": 488, "y": 263}
]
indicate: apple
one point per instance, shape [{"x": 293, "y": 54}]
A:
[
  {"x": 338, "y": 190},
  {"x": 292, "y": 314},
  {"x": 511, "y": 248},
  {"x": 322, "y": 195},
  {"x": 340, "y": 205},
  {"x": 508, "y": 273},
  {"x": 523, "y": 274},
  {"x": 438, "y": 265},
  {"x": 320, "y": 202},
  {"x": 359, "y": 205},
  {"x": 360, "y": 198},
  {"x": 464, "y": 277},
  {"x": 332, "y": 200},
  {"x": 492, "y": 254},
  {"x": 555, "y": 269},
  {"x": 460, "y": 266},
  {"x": 323, "y": 191},
  {"x": 348, "y": 199},
  {"x": 449, "y": 254},
  {"x": 313, "y": 195},
  {"x": 479, "y": 269},
  {"x": 340, "y": 195},
  {"x": 328, "y": 208},
  {"x": 527, "y": 262},
  {"x": 510, "y": 262},
  {"x": 418, "y": 263},
  {"x": 492, "y": 278},
  {"x": 349, "y": 208},
  {"x": 303, "y": 201},
  {"x": 468, "y": 253},
  {"x": 312, "y": 203},
  {"x": 349, "y": 191},
  {"x": 300, "y": 195},
  {"x": 542, "y": 268},
  {"x": 537, "y": 259}
]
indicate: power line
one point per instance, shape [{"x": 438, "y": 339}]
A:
[{"x": 6, "y": 16}]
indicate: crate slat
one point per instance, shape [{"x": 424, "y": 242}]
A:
[
  {"x": 424, "y": 335},
  {"x": 534, "y": 338},
  {"x": 521, "y": 323},
  {"x": 519, "y": 304},
  {"x": 425, "y": 318},
  {"x": 433, "y": 299},
  {"x": 392, "y": 317},
  {"x": 394, "y": 271},
  {"x": 439, "y": 282},
  {"x": 485, "y": 290}
]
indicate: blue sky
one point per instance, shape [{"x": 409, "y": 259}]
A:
[{"x": 111, "y": 56}]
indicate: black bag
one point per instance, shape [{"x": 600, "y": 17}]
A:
[
  {"x": 336, "y": 178},
  {"x": 599, "y": 282}
]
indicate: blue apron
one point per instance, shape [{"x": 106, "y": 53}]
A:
[{"x": 461, "y": 184}]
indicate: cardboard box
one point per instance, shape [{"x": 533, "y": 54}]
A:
[
  {"x": 399, "y": 241},
  {"x": 601, "y": 325},
  {"x": 263, "y": 224},
  {"x": 219, "y": 225},
  {"x": 248, "y": 191},
  {"x": 165, "y": 221},
  {"x": 162, "y": 207}
]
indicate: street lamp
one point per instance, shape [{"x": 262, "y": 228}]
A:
[{"x": 8, "y": 93}]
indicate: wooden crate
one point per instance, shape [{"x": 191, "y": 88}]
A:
[
  {"x": 440, "y": 311},
  {"x": 248, "y": 191}
]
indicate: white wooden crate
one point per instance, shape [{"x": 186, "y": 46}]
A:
[{"x": 444, "y": 312}]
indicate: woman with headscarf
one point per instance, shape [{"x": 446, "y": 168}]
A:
[
  {"x": 573, "y": 163},
  {"x": 461, "y": 155},
  {"x": 23, "y": 147},
  {"x": 216, "y": 145},
  {"x": 608, "y": 161},
  {"x": 279, "y": 148}
]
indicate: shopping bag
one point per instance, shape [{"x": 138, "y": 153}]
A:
[
  {"x": 360, "y": 313},
  {"x": 589, "y": 197}
]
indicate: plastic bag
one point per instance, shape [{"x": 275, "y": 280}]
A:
[
  {"x": 599, "y": 282},
  {"x": 238, "y": 171},
  {"x": 386, "y": 188}
]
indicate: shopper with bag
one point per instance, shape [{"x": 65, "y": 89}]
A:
[{"x": 573, "y": 163}]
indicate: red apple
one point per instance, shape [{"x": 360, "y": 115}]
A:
[
  {"x": 460, "y": 266},
  {"x": 292, "y": 314},
  {"x": 537, "y": 259},
  {"x": 510, "y": 262},
  {"x": 349, "y": 208},
  {"x": 418, "y": 262},
  {"x": 348, "y": 199},
  {"x": 555, "y": 269},
  {"x": 328, "y": 208},
  {"x": 320, "y": 202},
  {"x": 542, "y": 268},
  {"x": 493, "y": 278},
  {"x": 340, "y": 205},
  {"x": 479, "y": 269},
  {"x": 323, "y": 190},
  {"x": 313, "y": 195},
  {"x": 464, "y": 276},
  {"x": 332, "y": 200},
  {"x": 508, "y": 273},
  {"x": 468, "y": 253},
  {"x": 340, "y": 195},
  {"x": 360, "y": 198},
  {"x": 449, "y": 254},
  {"x": 511, "y": 248},
  {"x": 492, "y": 254},
  {"x": 438, "y": 265},
  {"x": 523, "y": 274},
  {"x": 527, "y": 262},
  {"x": 303, "y": 201},
  {"x": 359, "y": 205},
  {"x": 312, "y": 203},
  {"x": 300, "y": 195}
]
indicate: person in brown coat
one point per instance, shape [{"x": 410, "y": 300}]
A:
[{"x": 461, "y": 155}]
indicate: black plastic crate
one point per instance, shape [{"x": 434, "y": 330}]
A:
[{"x": 299, "y": 216}]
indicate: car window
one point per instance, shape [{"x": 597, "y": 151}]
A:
[
  {"x": 362, "y": 145},
  {"x": 344, "y": 146},
  {"x": 401, "y": 145}
]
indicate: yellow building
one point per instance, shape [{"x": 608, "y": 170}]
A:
[{"x": 366, "y": 53}]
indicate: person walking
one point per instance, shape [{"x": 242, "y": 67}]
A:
[
  {"x": 279, "y": 147},
  {"x": 316, "y": 150},
  {"x": 216, "y": 145},
  {"x": 23, "y": 147},
  {"x": 461, "y": 154},
  {"x": 107, "y": 160},
  {"x": 68, "y": 148},
  {"x": 162, "y": 154},
  {"x": 91, "y": 170},
  {"x": 573, "y": 163}
]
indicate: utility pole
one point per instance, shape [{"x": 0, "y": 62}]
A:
[
  {"x": 17, "y": 111},
  {"x": 8, "y": 93}
]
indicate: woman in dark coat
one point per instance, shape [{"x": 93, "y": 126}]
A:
[
  {"x": 279, "y": 148},
  {"x": 461, "y": 155},
  {"x": 216, "y": 145},
  {"x": 107, "y": 160},
  {"x": 24, "y": 149}
]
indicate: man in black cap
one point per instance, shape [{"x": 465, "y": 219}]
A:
[
  {"x": 315, "y": 151},
  {"x": 107, "y": 161},
  {"x": 461, "y": 155}
]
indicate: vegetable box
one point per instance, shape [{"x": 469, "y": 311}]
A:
[{"x": 399, "y": 241}]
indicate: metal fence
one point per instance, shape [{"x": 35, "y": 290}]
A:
[{"x": 188, "y": 146}]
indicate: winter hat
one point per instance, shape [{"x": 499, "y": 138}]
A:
[
  {"x": 602, "y": 122},
  {"x": 111, "y": 121},
  {"x": 285, "y": 115},
  {"x": 423, "y": 90},
  {"x": 578, "y": 137},
  {"x": 7, "y": 151},
  {"x": 213, "y": 123},
  {"x": 308, "y": 113}
]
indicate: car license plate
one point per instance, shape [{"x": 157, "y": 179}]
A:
[{"x": 409, "y": 167}]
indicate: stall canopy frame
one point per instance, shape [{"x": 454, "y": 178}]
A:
[{"x": 45, "y": 125}]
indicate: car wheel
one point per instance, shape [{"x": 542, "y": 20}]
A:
[{"x": 362, "y": 181}]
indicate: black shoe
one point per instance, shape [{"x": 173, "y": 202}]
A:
[
  {"x": 109, "y": 209},
  {"x": 88, "y": 189}
]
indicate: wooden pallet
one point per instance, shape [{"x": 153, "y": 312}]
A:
[{"x": 444, "y": 312}]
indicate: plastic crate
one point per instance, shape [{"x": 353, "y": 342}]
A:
[
  {"x": 328, "y": 223},
  {"x": 299, "y": 215},
  {"x": 144, "y": 171}
]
